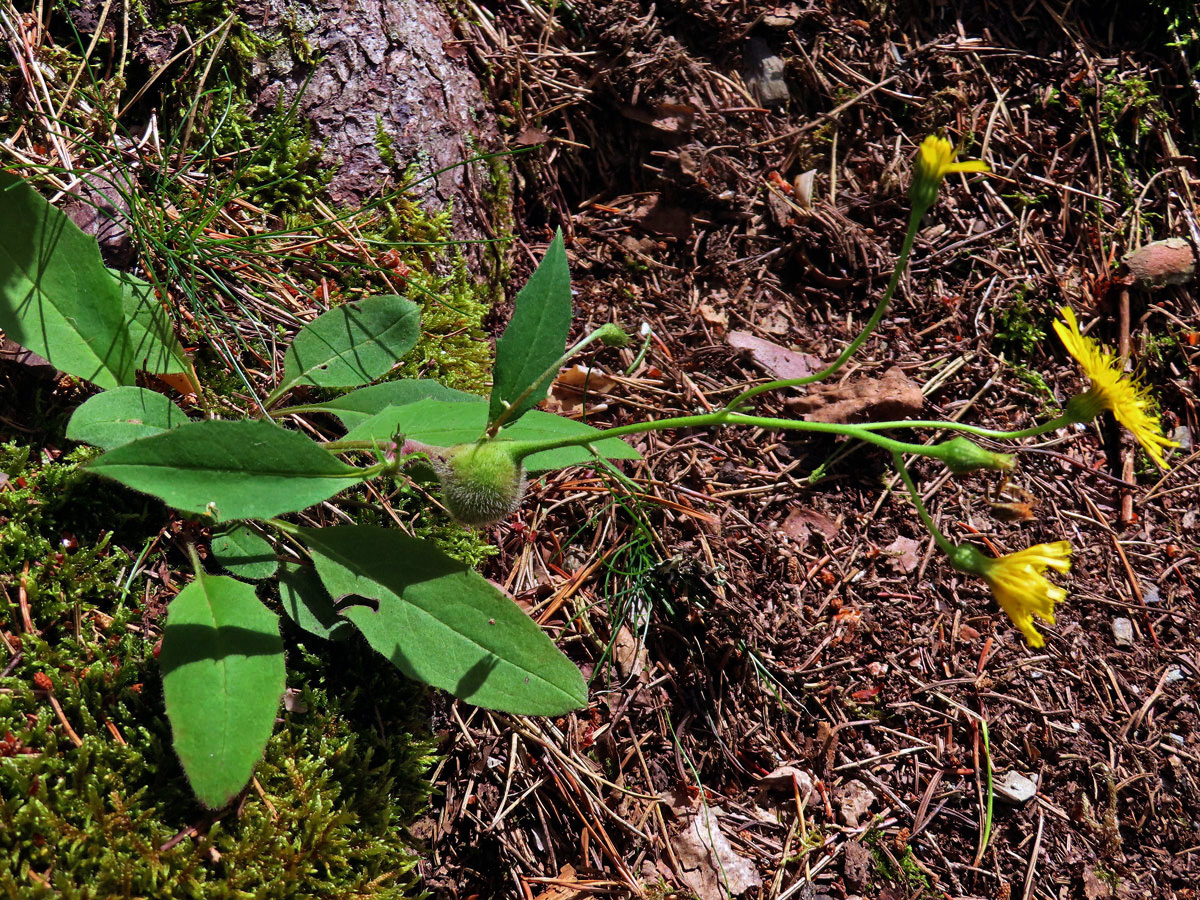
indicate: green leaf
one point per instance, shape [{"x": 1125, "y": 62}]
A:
[
  {"x": 352, "y": 344},
  {"x": 443, "y": 424},
  {"x": 230, "y": 470},
  {"x": 56, "y": 297},
  {"x": 245, "y": 553},
  {"x": 442, "y": 623},
  {"x": 309, "y": 605},
  {"x": 223, "y": 677},
  {"x": 536, "y": 337},
  {"x": 124, "y": 414},
  {"x": 358, "y": 406},
  {"x": 153, "y": 344}
]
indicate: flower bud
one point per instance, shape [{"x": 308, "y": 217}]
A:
[
  {"x": 481, "y": 483},
  {"x": 613, "y": 335},
  {"x": 962, "y": 456}
]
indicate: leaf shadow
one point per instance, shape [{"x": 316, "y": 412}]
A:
[{"x": 185, "y": 644}]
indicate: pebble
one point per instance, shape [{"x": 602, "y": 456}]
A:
[
  {"x": 1122, "y": 629},
  {"x": 1015, "y": 787},
  {"x": 765, "y": 73},
  {"x": 1174, "y": 674}
]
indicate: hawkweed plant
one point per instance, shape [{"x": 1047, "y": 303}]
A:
[{"x": 434, "y": 618}]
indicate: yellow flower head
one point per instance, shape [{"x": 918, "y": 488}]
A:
[
  {"x": 1112, "y": 389},
  {"x": 935, "y": 160},
  {"x": 1018, "y": 584}
]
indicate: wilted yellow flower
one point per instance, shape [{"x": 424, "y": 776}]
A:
[
  {"x": 1018, "y": 584},
  {"x": 935, "y": 160},
  {"x": 1112, "y": 389}
]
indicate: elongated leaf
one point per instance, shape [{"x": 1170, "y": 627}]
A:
[
  {"x": 244, "y": 553},
  {"x": 56, "y": 297},
  {"x": 153, "y": 344},
  {"x": 536, "y": 336},
  {"x": 309, "y": 605},
  {"x": 124, "y": 414},
  {"x": 444, "y": 424},
  {"x": 352, "y": 344},
  {"x": 230, "y": 470},
  {"x": 442, "y": 623},
  {"x": 358, "y": 406},
  {"x": 223, "y": 677}
]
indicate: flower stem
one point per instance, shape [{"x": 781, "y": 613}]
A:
[
  {"x": 914, "y": 222},
  {"x": 927, "y": 520},
  {"x": 521, "y": 449},
  {"x": 1033, "y": 431},
  {"x": 540, "y": 383}
]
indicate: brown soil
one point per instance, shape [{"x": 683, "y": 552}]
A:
[{"x": 738, "y": 617}]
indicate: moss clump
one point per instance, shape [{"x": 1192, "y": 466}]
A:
[{"x": 112, "y": 817}]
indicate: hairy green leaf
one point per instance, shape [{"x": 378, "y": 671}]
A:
[
  {"x": 352, "y": 344},
  {"x": 152, "y": 340},
  {"x": 223, "y": 675},
  {"x": 536, "y": 336},
  {"x": 124, "y": 414},
  {"x": 309, "y": 605},
  {"x": 442, "y": 623},
  {"x": 358, "y": 406},
  {"x": 230, "y": 470},
  {"x": 444, "y": 424},
  {"x": 56, "y": 296},
  {"x": 245, "y": 553}
]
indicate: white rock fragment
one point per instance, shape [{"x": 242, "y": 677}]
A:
[
  {"x": 1122, "y": 630},
  {"x": 1015, "y": 787}
]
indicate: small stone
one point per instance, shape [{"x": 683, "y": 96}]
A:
[
  {"x": 765, "y": 73},
  {"x": 1122, "y": 629},
  {"x": 857, "y": 866},
  {"x": 1015, "y": 787},
  {"x": 1183, "y": 437},
  {"x": 1174, "y": 674}
]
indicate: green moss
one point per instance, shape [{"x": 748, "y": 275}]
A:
[
  {"x": 1129, "y": 111},
  {"x": 112, "y": 817},
  {"x": 1020, "y": 329}
]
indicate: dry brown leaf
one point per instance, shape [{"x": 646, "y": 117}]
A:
[
  {"x": 894, "y": 396},
  {"x": 854, "y": 801},
  {"x": 801, "y": 523},
  {"x": 774, "y": 323},
  {"x": 629, "y": 654},
  {"x": 713, "y": 316},
  {"x": 567, "y": 392},
  {"x": 660, "y": 217},
  {"x": 530, "y": 137},
  {"x": 778, "y": 361},
  {"x": 564, "y": 889},
  {"x": 904, "y": 554},
  {"x": 667, "y": 118},
  {"x": 712, "y": 869}
]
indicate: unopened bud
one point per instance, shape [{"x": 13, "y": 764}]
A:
[
  {"x": 612, "y": 335},
  {"x": 481, "y": 483},
  {"x": 962, "y": 456}
]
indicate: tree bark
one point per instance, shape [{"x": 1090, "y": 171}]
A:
[{"x": 384, "y": 69}]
